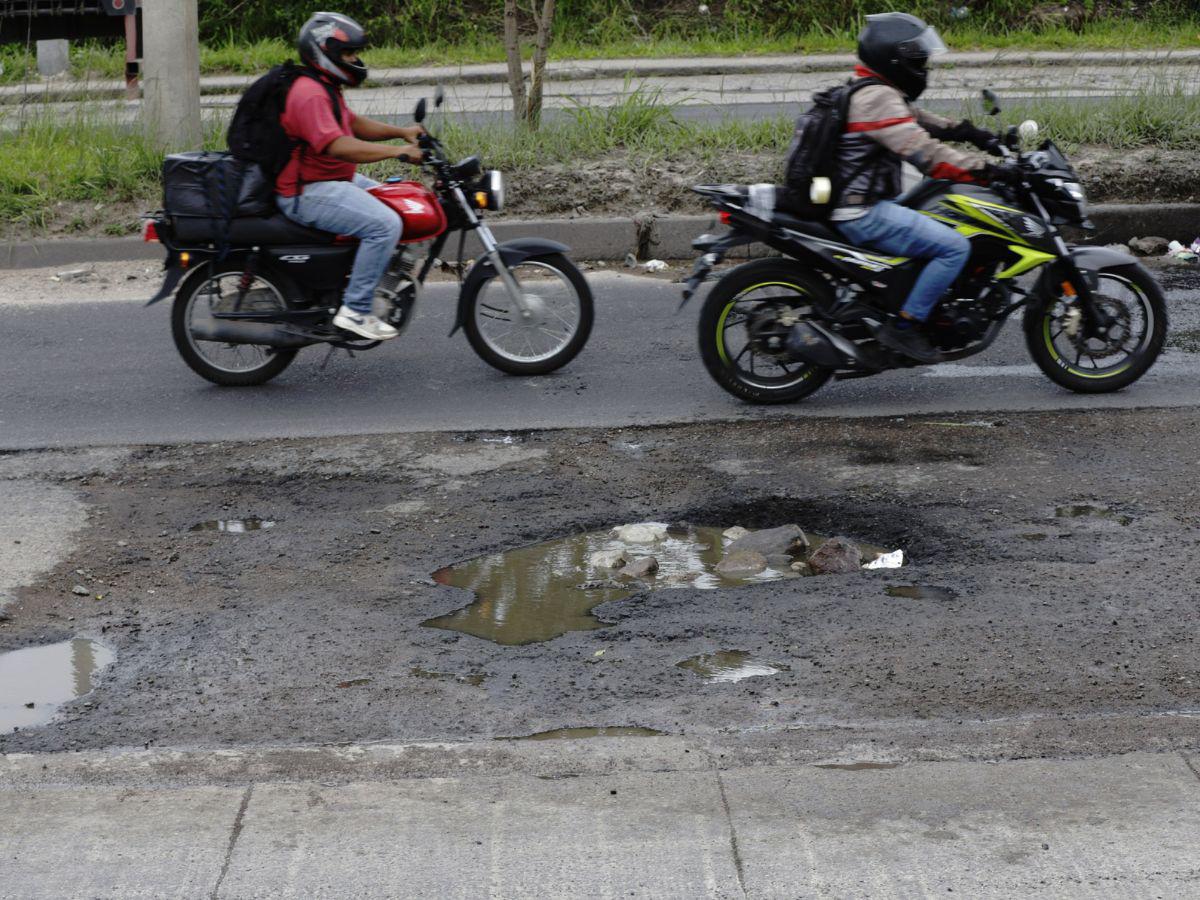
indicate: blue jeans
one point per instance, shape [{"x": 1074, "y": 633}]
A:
[
  {"x": 345, "y": 207},
  {"x": 890, "y": 228}
]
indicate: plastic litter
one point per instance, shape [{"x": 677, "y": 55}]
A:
[
  {"x": 893, "y": 560},
  {"x": 1176, "y": 250},
  {"x": 654, "y": 265}
]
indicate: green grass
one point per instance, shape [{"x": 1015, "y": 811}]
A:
[
  {"x": 91, "y": 60},
  {"x": 89, "y": 160}
]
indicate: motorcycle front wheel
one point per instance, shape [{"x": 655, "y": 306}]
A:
[
  {"x": 1054, "y": 332},
  {"x": 736, "y": 322},
  {"x": 216, "y": 291},
  {"x": 562, "y": 312}
]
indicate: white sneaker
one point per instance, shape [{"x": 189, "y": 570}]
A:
[{"x": 364, "y": 325}]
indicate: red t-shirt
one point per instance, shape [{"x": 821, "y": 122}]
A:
[{"x": 308, "y": 117}]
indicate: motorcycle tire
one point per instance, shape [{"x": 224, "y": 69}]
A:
[
  {"x": 262, "y": 363},
  {"x": 487, "y": 303},
  {"x": 1039, "y": 324},
  {"x": 725, "y": 369}
]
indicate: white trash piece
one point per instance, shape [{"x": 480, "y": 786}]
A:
[
  {"x": 654, "y": 265},
  {"x": 640, "y": 533},
  {"x": 893, "y": 560}
]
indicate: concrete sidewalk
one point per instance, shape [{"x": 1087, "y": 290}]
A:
[
  {"x": 648, "y": 817},
  {"x": 575, "y": 70}
]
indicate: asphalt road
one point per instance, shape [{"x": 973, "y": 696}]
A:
[{"x": 107, "y": 373}]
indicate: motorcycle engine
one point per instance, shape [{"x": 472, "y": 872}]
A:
[
  {"x": 957, "y": 324},
  {"x": 398, "y": 290}
]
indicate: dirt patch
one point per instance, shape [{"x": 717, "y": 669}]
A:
[
  {"x": 310, "y": 631},
  {"x": 624, "y": 184}
]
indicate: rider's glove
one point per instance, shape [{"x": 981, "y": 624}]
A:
[
  {"x": 969, "y": 133},
  {"x": 1001, "y": 174}
]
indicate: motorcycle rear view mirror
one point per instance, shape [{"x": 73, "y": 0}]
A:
[
  {"x": 991, "y": 103},
  {"x": 419, "y": 112}
]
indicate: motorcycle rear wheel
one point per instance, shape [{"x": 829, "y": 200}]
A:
[
  {"x": 1128, "y": 293},
  {"x": 730, "y": 357},
  {"x": 560, "y": 328},
  {"x": 229, "y": 365}
]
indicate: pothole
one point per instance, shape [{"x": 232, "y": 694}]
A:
[
  {"x": 575, "y": 734},
  {"x": 540, "y": 592},
  {"x": 234, "y": 526},
  {"x": 727, "y": 666},
  {"x": 36, "y": 681},
  {"x": 858, "y": 766},
  {"x": 921, "y": 592},
  {"x": 476, "y": 679},
  {"x": 1084, "y": 510}
]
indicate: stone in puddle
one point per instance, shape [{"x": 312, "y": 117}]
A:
[
  {"x": 837, "y": 556},
  {"x": 787, "y": 539},
  {"x": 608, "y": 559},
  {"x": 741, "y": 563},
  {"x": 641, "y": 568},
  {"x": 780, "y": 561},
  {"x": 802, "y": 568},
  {"x": 640, "y": 533},
  {"x": 737, "y": 531}
]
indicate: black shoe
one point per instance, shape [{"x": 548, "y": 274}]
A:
[{"x": 908, "y": 341}]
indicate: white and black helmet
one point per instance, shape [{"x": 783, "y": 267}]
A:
[{"x": 324, "y": 38}]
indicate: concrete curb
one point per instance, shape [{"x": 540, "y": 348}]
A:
[
  {"x": 490, "y": 73},
  {"x": 668, "y": 237}
]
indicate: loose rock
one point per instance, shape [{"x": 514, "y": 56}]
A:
[
  {"x": 80, "y": 590},
  {"x": 785, "y": 539},
  {"x": 640, "y": 533},
  {"x": 737, "y": 531},
  {"x": 609, "y": 559},
  {"x": 836, "y": 556},
  {"x": 1149, "y": 246},
  {"x": 641, "y": 568},
  {"x": 741, "y": 563}
]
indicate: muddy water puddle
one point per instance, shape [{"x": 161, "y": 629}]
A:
[
  {"x": 727, "y": 666},
  {"x": 576, "y": 734},
  {"x": 36, "y": 681},
  {"x": 233, "y": 526},
  {"x": 540, "y": 592},
  {"x": 1088, "y": 511},
  {"x": 921, "y": 592}
]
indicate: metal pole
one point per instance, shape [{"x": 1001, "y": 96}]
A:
[{"x": 171, "y": 83}]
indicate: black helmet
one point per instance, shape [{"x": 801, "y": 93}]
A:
[
  {"x": 324, "y": 38},
  {"x": 897, "y": 46}
]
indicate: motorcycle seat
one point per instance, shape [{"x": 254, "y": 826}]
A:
[
  {"x": 808, "y": 226},
  {"x": 276, "y": 229}
]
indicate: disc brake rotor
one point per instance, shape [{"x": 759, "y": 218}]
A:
[
  {"x": 768, "y": 329},
  {"x": 1111, "y": 341}
]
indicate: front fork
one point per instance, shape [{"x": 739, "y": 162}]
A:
[
  {"x": 1086, "y": 315},
  {"x": 492, "y": 248}
]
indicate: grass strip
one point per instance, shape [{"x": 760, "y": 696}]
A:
[
  {"x": 91, "y": 60},
  {"x": 46, "y": 160}
]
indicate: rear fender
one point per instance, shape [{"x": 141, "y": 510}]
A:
[
  {"x": 513, "y": 253},
  {"x": 178, "y": 274}
]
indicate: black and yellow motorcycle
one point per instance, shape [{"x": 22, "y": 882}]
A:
[{"x": 1095, "y": 320}]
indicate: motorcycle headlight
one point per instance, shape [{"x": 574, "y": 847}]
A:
[{"x": 495, "y": 182}]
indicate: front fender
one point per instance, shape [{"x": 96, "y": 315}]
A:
[
  {"x": 1093, "y": 259},
  {"x": 513, "y": 253}
]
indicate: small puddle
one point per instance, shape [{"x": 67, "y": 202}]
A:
[
  {"x": 727, "y": 666},
  {"x": 540, "y": 592},
  {"x": 921, "y": 592},
  {"x": 234, "y": 526},
  {"x": 575, "y": 734},
  {"x": 36, "y": 681},
  {"x": 475, "y": 679},
  {"x": 1083, "y": 510},
  {"x": 858, "y": 766}
]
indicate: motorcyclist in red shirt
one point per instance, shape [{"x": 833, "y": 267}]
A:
[{"x": 320, "y": 186}]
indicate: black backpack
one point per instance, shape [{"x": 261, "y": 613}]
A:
[
  {"x": 256, "y": 133},
  {"x": 813, "y": 152}
]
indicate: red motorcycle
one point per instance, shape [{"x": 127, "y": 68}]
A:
[{"x": 252, "y": 291}]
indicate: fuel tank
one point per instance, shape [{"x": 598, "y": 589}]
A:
[{"x": 416, "y": 205}]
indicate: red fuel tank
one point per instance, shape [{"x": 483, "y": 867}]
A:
[{"x": 417, "y": 205}]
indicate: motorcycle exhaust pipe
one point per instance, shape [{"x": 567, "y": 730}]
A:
[
  {"x": 261, "y": 333},
  {"x": 818, "y": 346}
]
